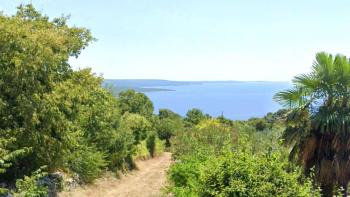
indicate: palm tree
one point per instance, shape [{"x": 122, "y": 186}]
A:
[{"x": 318, "y": 126}]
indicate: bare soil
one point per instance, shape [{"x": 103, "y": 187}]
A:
[{"x": 147, "y": 181}]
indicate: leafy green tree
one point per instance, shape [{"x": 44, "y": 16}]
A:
[
  {"x": 194, "y": 116},
  {"x": 135, "y": 102},
  {"x": 93, "y": 116},
  {"x": 34, "y": 58},
  {"x": 167, "y": 128},
  {"x": 168, "y": 124},
  {"x": 167, "y": 113},
  {"x": 92, "y": 110},
  {"x": 318, "y": 126}
]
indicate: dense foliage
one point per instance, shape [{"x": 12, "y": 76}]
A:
[
  {"x": 216, "y": 159},
  {"x": 54, "y": 117}
]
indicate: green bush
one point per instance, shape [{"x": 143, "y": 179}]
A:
[
  {"x": 151, "y": 144},
  {"x": 259, "y": 124},
  {"x": 88, "y": 163},
  {"x": 167, "y": 128},
  {"x": 138, "y": 124},
  {"x": 159, "y": 147},
  {"x": 208, "y": 136},
  {"x": 29, "y": 186},
  {"x": 243, "y": 174},
  {"x": 122, "y": 148},
  {"x": 214, "y": 159},
  {"x": 142, "y": 151}
]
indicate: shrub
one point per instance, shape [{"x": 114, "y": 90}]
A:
[
  {"x": 142, "y": 151},
  {"x": 208, "y": 136},
  {"x": 151, "y": 144},
  {"x": 167, "y": 128},
  {"x": 122, "y": 147},
  {"x": 243, "y": 174},
  {"x": 260, "y": 124},
  {"x": 88, "y": 163},
  {"x": 138, "y": 124},
  {"x": 212, "y": 160},
  {"x": 29, "y": 186},
  {"x": 159, "y": 147}
]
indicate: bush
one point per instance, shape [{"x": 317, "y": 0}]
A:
[
  {"x": 151, "y": 144},
  {"x": 159, "y": 147},
  {"x": 243, "y": 174},
  {"x": 214, "y": 159},
  {"x": 138, "y": 124},
  {"x": 142, "y": 151},
  {"x": 167, "y": 128},
  {"x": 208, "y": 136},
  {"x": 122, "y": 148},
  {"x": 88, "y": 163},
  {"x": 260, "y": 124},
  {"x": 29, "y": 186}
]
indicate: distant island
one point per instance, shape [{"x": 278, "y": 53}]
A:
[{"x": 159, "y": 85}]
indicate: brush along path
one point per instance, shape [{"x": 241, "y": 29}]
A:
[{"x": 147, "y": 181}]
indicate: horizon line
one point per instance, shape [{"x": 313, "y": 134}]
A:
[{"x": 230, "y": 80}]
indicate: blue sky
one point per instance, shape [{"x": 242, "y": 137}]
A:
[{"x": 270, "y": 40}]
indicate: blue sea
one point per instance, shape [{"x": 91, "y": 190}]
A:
[{"x": 235, "y": 100}]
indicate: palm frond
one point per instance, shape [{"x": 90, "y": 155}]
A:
[{"x": 295, "y": 97}]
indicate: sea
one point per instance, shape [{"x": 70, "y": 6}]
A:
[{"x": 236, "y": 100}]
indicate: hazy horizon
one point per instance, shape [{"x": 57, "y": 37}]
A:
[{"x": 232, "y": 80}]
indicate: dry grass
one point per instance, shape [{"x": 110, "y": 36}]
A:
[{"x": 146, "y": 182}]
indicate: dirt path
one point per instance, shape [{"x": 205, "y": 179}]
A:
[{"x": 145, "y": 182}]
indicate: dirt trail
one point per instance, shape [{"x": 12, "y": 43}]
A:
[{"x": 145, "y": 182}]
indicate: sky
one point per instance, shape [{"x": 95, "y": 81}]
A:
[{"x": 246, "y": 40}]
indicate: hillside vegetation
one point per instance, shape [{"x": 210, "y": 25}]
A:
[{"x": 55, "y": 120}]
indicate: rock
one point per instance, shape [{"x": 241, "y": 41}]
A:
[{"x": 54, "y": 182}]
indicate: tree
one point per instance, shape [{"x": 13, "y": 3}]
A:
[
  {"x": 34, "y": 58},
  {"x": 167, "y": 113},
  {"x": 167, "y": 128},
  {"x": 194, "y": 116},
  {"x": 135, "y": 102},
  {"x": 318, "y": 127}
]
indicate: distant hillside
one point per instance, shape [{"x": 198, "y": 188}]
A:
[
  {"x": 144, "y": 85},
  {"x": 155, "y": 85}
]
